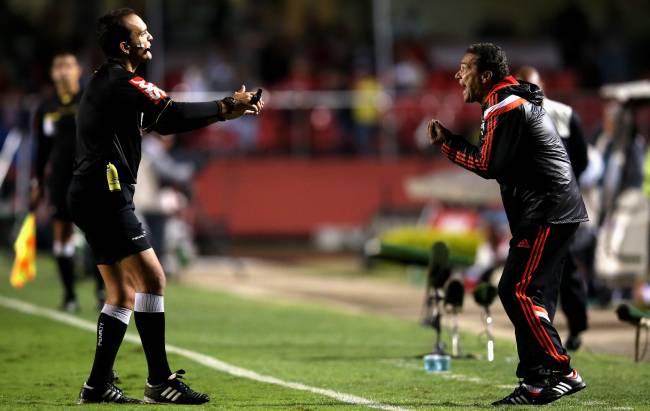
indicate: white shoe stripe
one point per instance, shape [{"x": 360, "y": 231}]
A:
[
  {"x": 565, "y": 385},
  {"x": 167, "y": 390},
  {"x": 171, "y": 394},
  {"x": 525, "y": 400},
  {"x": 106, "y": 393},
  {"x": 178, "y": 394}
]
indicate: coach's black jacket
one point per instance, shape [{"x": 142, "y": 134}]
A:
[{"x": 520, "y": 148}]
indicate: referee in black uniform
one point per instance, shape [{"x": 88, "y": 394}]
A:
[
  {"x": 54, "y": 130},
  {"x": 116, "y": 107}
]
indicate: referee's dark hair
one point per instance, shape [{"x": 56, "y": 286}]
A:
[
  {"x": 490, "y": 57},
  {"x": 111, "y": 31}
]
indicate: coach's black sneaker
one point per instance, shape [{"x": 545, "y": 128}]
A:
[
  {"x": 527, "y": 394},
  {"x": 173, "y": 391},
  {"x": 105, "y": 393},
  {"x": 567, "y": 384}
]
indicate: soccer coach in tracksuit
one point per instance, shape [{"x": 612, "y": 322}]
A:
[
  {"x": 116, "y": 107},
  {"x": 520, "y": 148}
]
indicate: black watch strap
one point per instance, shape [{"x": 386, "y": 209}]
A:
[{"x": 229, "y": 104}]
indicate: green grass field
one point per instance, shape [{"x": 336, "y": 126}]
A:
[{"x": 44, "y": 362}]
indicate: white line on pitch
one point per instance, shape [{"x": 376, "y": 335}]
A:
[{"x": 201, "y": 359}]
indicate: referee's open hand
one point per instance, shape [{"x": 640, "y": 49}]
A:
[{"x": 243, "y": 105}]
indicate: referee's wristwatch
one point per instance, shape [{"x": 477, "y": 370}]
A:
[{"x": 229, "y": 104}]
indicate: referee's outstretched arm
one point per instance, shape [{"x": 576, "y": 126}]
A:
[
  {"x": 158, "y": 112},
  {"x": 179, "y": 117}
]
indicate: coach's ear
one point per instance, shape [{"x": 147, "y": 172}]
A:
[{"x": 486, "y": 77}]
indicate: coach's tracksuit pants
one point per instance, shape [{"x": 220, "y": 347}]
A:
[{"x": 528, "y": 290}]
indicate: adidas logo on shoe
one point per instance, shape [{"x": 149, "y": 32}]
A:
[
  {"x": 568, "y": 384},
  {"x": 526, "y": 394},
  {"x": 105, "y": 393},
  {"x": 173, "y": 391}
]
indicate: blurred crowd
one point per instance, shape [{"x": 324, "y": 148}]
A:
[{"x": 319, "y": 63}]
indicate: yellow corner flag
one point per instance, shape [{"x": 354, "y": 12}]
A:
[{"x": 25, "y": 247}]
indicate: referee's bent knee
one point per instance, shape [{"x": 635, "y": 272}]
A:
[{"x": 123, "y": 297}]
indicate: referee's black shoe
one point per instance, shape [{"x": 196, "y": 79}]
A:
[
  {"x": 173, "y": 391},
  {"x": 106, "y": 392}
]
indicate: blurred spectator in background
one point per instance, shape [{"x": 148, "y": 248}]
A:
[
  {"x": 611, "y": 50},
  {"x": 366, "y": 95},
  {"x": 275, "y": 58},
  {"x": 492, "y": 253},
  {"x": 409, "y": 72},
  {"x": 572, "y": 31},
  {"x": 621, "y": 199},
  {"x": 219, "y": 71},
  {"x": 573, "y": 293},
  {"x": 642, "y": 289},
  {"x": 584, "y": 247},
  {"x": 623, "y": 152},
  {"x": 163, "y": 184},
  {"x": 55, "y": 133}
]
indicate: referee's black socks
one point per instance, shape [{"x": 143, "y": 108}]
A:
[
  {"x": 111, "y": 327},
  {"x": 150, "y": 320}
]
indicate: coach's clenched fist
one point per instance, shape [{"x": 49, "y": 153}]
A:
[{"x": 437, "y": 133}]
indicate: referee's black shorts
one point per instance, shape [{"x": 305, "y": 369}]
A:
[{"x": 107, "y": 219}]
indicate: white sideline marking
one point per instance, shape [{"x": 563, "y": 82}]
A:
[{"x": 201, "y": 359}]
